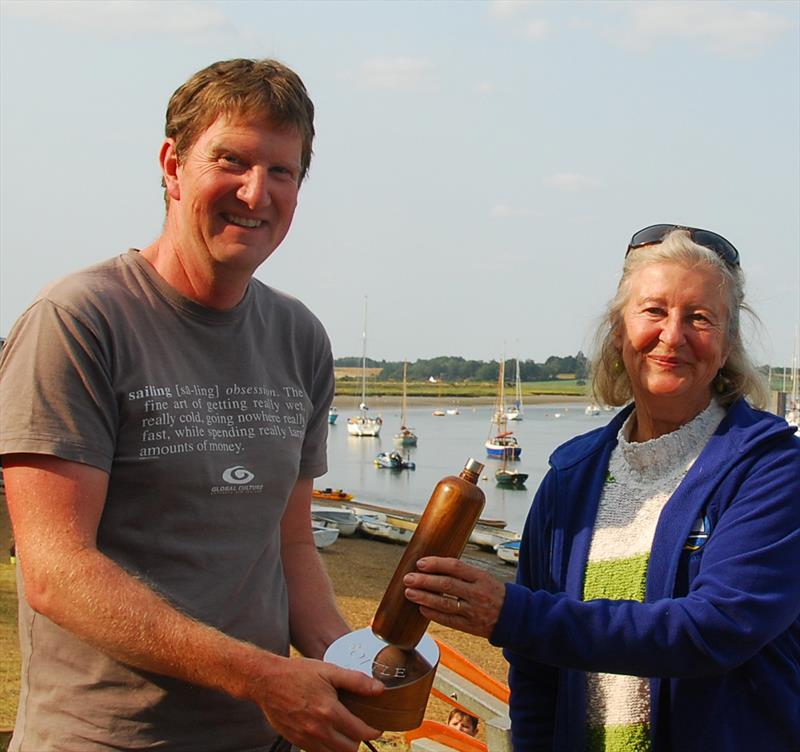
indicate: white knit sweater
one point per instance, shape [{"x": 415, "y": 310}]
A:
[{"x": 641, "y": 478}]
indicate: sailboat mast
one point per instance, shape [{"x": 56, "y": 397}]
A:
[
  {"x": 503, "y": 384},
  {"x": 364, "y": 358},
  {"x": 404, "y": 404},
  {"x": 501, "y": 394}
]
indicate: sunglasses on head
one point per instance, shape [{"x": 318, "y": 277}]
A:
[{"x": 656, "y": 233}]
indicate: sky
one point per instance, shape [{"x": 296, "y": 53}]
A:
[{"x": 478, "y": 170}]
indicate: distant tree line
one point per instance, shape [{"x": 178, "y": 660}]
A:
[{"x": 455, "y": 369}]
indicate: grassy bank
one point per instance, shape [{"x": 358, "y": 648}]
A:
[
  {"x": 9, "y": 650},
  {"x": 346, "y": 387}
]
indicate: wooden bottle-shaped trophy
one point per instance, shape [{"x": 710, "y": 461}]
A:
[{"x": 395, "y": 649}]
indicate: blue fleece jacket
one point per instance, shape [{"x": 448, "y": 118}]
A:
[{"x": 719, "y": 631}]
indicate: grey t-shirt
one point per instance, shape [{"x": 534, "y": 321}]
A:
[{"x": 204, "y": 420}]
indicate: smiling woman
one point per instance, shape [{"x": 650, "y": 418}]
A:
[
  {"x": 717, "y": 304},
  {"x": 672, "y": 340},
  {"x": 640, "y": 552}
]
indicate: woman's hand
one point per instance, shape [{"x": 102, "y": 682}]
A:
[{"x": 455, "y": 594}]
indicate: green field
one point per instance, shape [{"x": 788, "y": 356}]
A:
[
  {"x": 375, "y": 388},
  {"x": 351, "y": 387}
]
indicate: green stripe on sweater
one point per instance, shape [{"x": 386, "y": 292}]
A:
[
  {"x": 619, "y": 579},
  {"x": 619, "y": 739}
]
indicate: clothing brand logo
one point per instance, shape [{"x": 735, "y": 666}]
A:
[
  {"x": 237, "y": 481},
  {"x": 237, "y": 475},
  {"x": 701, "y": 528}
]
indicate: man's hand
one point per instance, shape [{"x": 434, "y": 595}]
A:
[{"x": 301, "y": 704}]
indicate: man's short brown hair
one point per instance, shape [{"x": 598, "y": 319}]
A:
[{"x": 241, "y": 87}]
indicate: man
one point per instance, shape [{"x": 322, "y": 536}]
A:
[{"x": 163, "y": 417}]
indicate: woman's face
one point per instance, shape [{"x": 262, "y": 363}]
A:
[{"x": 673, "y": 339}]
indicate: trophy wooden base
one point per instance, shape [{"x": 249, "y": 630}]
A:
[{"x": 406, "y": 674}]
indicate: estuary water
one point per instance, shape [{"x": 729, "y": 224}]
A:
[{"x": 445, "y": 444}]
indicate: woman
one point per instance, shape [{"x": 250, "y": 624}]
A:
[{"x": 657, "y": 602}]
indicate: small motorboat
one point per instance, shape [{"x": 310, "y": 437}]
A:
[
  {"x": 509, "y": 552},
  {"x": 393, "y": 461},
  {"x": 510, "y": 478},
  {"x": 332, "y": 415},
  {"x": 324, "y": 536}
]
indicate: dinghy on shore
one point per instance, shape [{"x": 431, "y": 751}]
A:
[
  {"x": 324, "y": 536},
  {"x": 342, "y": 518}
]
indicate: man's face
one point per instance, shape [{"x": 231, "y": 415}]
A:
[{"x": 234, "y": 193}]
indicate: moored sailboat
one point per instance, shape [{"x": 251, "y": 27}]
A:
[
  {"x": 516, "y": 411},
  {"x": 501, "y": 443},
  {"x": 508, "y": 477},
  {"x": 364, "y": 424},
  {"x": 405, "y": 436}
]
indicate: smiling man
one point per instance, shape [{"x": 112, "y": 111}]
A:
[{"x": 163, "y": 417}]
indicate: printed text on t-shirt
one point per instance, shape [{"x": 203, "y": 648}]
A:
[{"x": 185, "y": 418}]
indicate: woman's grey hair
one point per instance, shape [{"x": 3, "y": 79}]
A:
[{"x": 737, "y": 378}]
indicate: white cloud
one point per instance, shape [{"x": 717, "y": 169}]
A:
[
  {"x": 508, "y": 8},
  {"x": 396, "y": 73},
  {"x": 573, "y": 181},
  {"x": 506, "y": 210},
  {"x": 536, "y": 29},
  {"x": 722, "y": 27},
  {"x": 185, "y": 17},
  {"x": 518, "y": 14}
]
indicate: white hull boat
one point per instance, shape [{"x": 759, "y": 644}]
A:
[
  {"x": 376, "y": 526},
  {"x": 361, "y": 425},
  {"x": 364, "y": 424},
  {"x": 324, "y": 536},
  {"x": 341, "y": 518},
  {"x": 491, "y": 537},
  {"x": 516, "y": 411},
  {"x": 509, "y": 552}
]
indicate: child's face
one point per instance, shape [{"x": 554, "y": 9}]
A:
[{"x": 462, "y": 723}]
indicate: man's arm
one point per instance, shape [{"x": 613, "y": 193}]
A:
[
  {"x": 314, "y": 618},
  {"x": 55, "y": 508}
]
